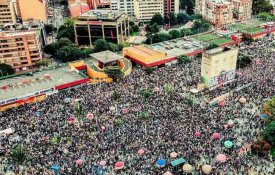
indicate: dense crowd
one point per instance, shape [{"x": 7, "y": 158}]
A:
[{"x": 170, "y": 126}]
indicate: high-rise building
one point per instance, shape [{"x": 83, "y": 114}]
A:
[
  {"x": 20, "y": 49},
  {"x": 224, "y": 12},
  {"x": 171, "y": 6},
  {"x": 7, "y": 12},
  {"x": 145, "y": 9},
  {"x": 110, "y": 25},
  {"x": 126, "y": 6},
  {"x": 33, "y": 9}
]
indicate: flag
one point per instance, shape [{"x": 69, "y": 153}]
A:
[{"x": 112, "y": 35}]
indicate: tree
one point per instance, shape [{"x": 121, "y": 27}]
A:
[
  {"x": 157, "y": 19},
  {"x": 114, "y": 72},
  {"x": 174, "y": 34},
  {"x": 144, "y": 115},
  {"x": 243, "y": 60},
  {"x": 113, "y": 47},
  {"x": 101, "y": 45},
  {"x": 86, "y": 52},
  {"x": 266, "y": 16},
  {"x": 146, "y": 93},
  {"x": 64, "y": 2},
  {"x": 183, "y": 18},
  {"x": 69, "y": 53},
  {"x": 186, "y": 32},
  {"x": 78, "y": 110},
  {"x": 188, "y": 6},
  {"x": 152, "y": 28},
  {"x": 269, "y": 133},
  {"x": 62, "y": 42},
  {"x": 259, "y": 6},
  {"x": 6, "y": 69},
  {"x": 261, "y": 147},
  {"x": 200, "y": 25},
  {"x": 49, "y": 28},
  {"x": 150, "y": 70},
  {"x": 50, "y": 49},
  {"x": 247, "y": 38},
  {"x": 160, "y": 37},
  {"x": 171, "y": 19},
  {"x": 183, "y": 59},
  {"x": 118, "y": 122},
  {"x": 43, "y": 62},
  {"x": 269, "y": 107},
  {"x": 169, "y": 88},
  {"x": 123, "y": 44},
  {"x": 19, "y": 155},
  {"x": 212, "y": 46},
  {"x": 116, "y": 95},
  {"x": 67, "y": 30}
]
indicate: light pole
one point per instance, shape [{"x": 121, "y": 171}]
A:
[{"x": 152, "y": 38}]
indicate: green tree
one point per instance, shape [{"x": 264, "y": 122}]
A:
[
  {"x": 183, "y": 59},
  {"x": 175, "y": 34},
  {"x": 247, "y": 38},
  {"x": 186, "y": 32},
  {"x": 113, "y": 47},
  {"x": 152, "y": 28},
  {"x": 123, "y": 44},
  {"x": 19, "y": 155},
  {"x": 260, "y": 147},
  {"x": 157, "y": 19},
  {"x": 144, "y": 115},
  {"x": 169, "y": 88},
  {"x": 118, "y": 122},
  {"x": 150, "y": 70},
  {"x": 62, "y": 42},
  {"x": 269, "y": 107},
  {"x": 116, "y": 95},
  {"x": 188, "y": 6},
  {"x": 64, "y": 2},
  {"x": 160, "y": 37},
  {"x": 69, "y": 53},
  {"x": 243, "y": 60},
  {"x": 86, "y": 52},
  {"x": 50, "y": 49},
  {"x": 6, "y": 69},
  {"x": 200, "y": 25},
  {"x": 183, "y": 18},
  {"x": 266, "y": 16},
  {"x": 269, "y": 133},
  {"x": 114, "y": 72},
  {"x": 171, "y": 19},
  {"x": 49, "y": 28},
  {"x": 212, "y": 46},
  {"x": 101, "y": 45},
  {"x": 259, "y": 6},
  {"x": 43, "y": 62},
  {"x": 67, "y": 30},
  {"x": 146, "y": 93},
  {"x": 78, "y": 110}
]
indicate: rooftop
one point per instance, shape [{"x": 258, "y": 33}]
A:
[
  {"x": 106, "y": 56},
  {"x": 102, "y": 14},
  {"x": 17, "y": 33}
]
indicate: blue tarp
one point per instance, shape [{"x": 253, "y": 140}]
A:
[
  {"x": 161, "y": 162},
  {"x": 55, "y": 168},
  {"x": 178, "y": 162}
]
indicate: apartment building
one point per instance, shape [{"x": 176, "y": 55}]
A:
[
  {"x": 33, "y": 9},
  {"x": 224, "y": 12},
  {"x": 126, "y": 6},
  {"x": 110, "y": 25},
  {"x": 7, "y": 12},
  {"x": 145, "y": 9},
  {"x": 171, "y": 6},
  {"x": 21, "y": 50}
]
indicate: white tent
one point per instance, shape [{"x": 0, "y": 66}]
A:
[{"x": 7, "y": 131}]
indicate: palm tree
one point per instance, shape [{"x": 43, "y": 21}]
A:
[
  {"x": 19, "y": 155},
  {"x": 78, "y": 109}
]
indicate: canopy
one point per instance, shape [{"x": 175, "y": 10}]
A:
[
  {"x": 67, "y": 100},
  {"x": 112, "y": 108},
  {"x": 119, "y": 165},
  {"x": 79, "y": 162},
  {"x": 197, "y": 134},
  {"x": 102, "y": 163},
  {"x": 141, "y": 151},
  {"x": 230, "y": 122},
  {"x": 242, "y": 100},
  {"x": 55, "y": 168},
  {"x": 7, "y": 131},
  {"x": 264, "y": 116},
  {"x": 37, "y": 113},
  {"x": 156, "y": 89},
  {"x": 187, "y": 168},
  {"x": 161, "y": 162},
  {"x": 173, "y": 154},
  {"x": 178, "y": 162},
  {"x": 221, "y": 158},
  {"x": 90, "y": 116},
  {"x": 216, "y": 135},
  {"x": 228, "y": 144},
  {"x": 206, "y": 169},
  {"x": 194, "y": 91},
  {"x": 168, "y": 173}
]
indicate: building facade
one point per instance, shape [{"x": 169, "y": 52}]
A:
[
  {"x": 223, "y": 12},
  {"x": 7, "y": 12},
  {"x": 20, "y": 49},
  {"x": 33, "y": 9},
  {"x": 110, "y": 25},
  {"x": 146, "y": 9},
  {"x": 171, "y": 6},
  {"x": 126, "y": 6}
]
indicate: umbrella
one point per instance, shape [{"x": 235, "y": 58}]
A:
[
  {"x": 242, "y": 100},
  {"x": 67, "y": 100},
  {"x": 168, "y": 173},
  {"x": 206, "y": 169},
  {"x": 264, "y": 116},
  {"x": 228, "y": 144},
  {"x": 141, "y": 151},
  {"x": 102, "y": 163},
  {"x": 161, "y": 163},
  {"x": 79, "y": 162},
  {"x": 103, "y": 128},
  {"x": 112, "y": 108},
  {"x": 156, "y": 89},
  {"x": 119, "y": 165},
  {"x": 230, "y": 123},
  {"x": 37, "y": 113},
  {"x": 187, "y": 168},
  {"x": 173, "y": 154},
  {"x": 124, "y": 110},
  {"x": 225, "y": 126},
  {"x": 55, "y": 168},
  {"x": 221, "y": 158},
  {"x": 89, "y": 116},
  {"x": 70, "y": 120},
  {"x": 197, "y": 134},
  {"x": 216, "y": 135}
]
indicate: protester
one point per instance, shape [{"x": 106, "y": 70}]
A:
[{"x": 170, "y": 127}]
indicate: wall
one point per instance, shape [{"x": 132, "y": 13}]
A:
[{"x": 33, "y": 9}]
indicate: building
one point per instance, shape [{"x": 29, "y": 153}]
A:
[
  {"x": 171, "y": 6},
  {"x": 112, "y": 26},
  {"x": 7, "y": 12},
  {"x": 78, "y": 7},
  {"x": 33, "y": 9},
  {"x": 218, "y": 66},
  {"x": 126, "y": 6},
  {"x": 145, "y": 9},
  {"x": 21, "y": 50},
  {"x": 223, "y": 12}
]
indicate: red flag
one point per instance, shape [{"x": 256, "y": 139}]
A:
[
  {"x": 112, "y": 35},
  {"x": 4, "y": 87}
]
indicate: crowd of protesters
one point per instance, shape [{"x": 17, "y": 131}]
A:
[{"x": 170, "y": 126}]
